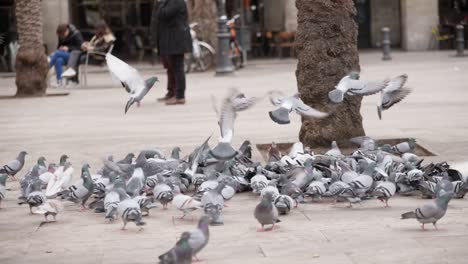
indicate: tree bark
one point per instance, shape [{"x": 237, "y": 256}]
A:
[
  {"x": 31, "y": 60},
  {"x": 327, "y": 51},
  {"x": 205, "y": 13}
]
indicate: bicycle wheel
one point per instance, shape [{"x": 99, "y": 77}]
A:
[{"x": 206, "y": 59}]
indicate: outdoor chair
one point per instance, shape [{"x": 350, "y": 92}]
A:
[{"x": 83, "y": 74}]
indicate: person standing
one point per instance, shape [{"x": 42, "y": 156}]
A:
[{"x": 170, "y": 36}]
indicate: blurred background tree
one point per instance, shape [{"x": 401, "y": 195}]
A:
[
  {"x": 327, "y": 50},
  {"x": 31, "y": 60}
]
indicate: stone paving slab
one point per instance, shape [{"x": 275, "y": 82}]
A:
[{"x": 89, "y": 124}]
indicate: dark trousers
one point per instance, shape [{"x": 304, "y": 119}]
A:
[{"x": 175, "y": 75}]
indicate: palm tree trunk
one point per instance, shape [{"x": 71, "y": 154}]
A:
[
  {"x": 204, "y": 12},
  {"x": 327, "y": 51},
  {"x": 31, "y": 60}
]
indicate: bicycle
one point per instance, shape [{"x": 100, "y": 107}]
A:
[{"x": 202, "y": 56}]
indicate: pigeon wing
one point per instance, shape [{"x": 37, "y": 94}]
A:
[
  {"x": 276, "y": 97},
  {"x": 306, "y": 110},
  {"x": 366, "y": 88},
  {"x": 394, "y": 97},
  {"x": 125, "y": 74},
  {"x": 396, "y": 83}
]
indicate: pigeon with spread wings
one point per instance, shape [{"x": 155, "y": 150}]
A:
[
  {"x": 287, "y": 105},
  {"x": 130, "y": 79}
]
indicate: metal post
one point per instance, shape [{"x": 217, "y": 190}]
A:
[
  {"x": 386, "y": 43},
  {"x": 460, "y": 40},
  {"x": 224, "y": 65}
]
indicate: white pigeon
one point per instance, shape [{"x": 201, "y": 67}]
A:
[
  {"x": 393, "y": 93},
  {"x": 61, "y": 181},
  {"x": 351, "y": 85},
  {"x": 185, "y": 203},
  {"x": 130, "y": 79},
  {"x": 49, "y": 207},
  {"x": 287, "y": 105}
]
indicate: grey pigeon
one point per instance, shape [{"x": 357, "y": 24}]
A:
[
  {"x": 130, "y": 79},
  {"x": 213, "y": 203},
  {"x": 351, "y": 85},
  {"x": 111, "y": 203},
  {"x": 284, "y": 204},
  {"x": 266, "y": 213},
  {"x": 163, "y": 192},
  {"x": 14, "y": 166},
  {"x": 127, "y": 159},
  {"x": 392, "y": 94},
  {"x": 233, "y": 103},
  {"x": 181, "y": 253},
  {"x": 82, "y": 190},
  {"x": 289, "y": 104},
  {"x": 3, "y": 190},
  {"x": 42, "y": 165},
  {"x": 384, "y": 191},
  {"x": 146, "y": 203},
  {"x": 404, "y": 147},
  {"x": 129, "y": 210},
  {"x": 334, "y": 151},
  {"x": 431, "y": 213},
  {"x": 200, "y": 236}
]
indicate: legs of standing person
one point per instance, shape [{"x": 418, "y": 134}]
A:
[
  {"x": 170, "y": 79},
  {"x": 58, "y": 60},
  {"x": 177, "y": 64}
]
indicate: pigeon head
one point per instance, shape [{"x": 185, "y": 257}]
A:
[
  {"x": 151, "y": 81},
  {"x": 63, "y": 159},
  {"x": 85, "y": 170},
  {"x": 130, "y": 102},
  {"x": 268, "y": 196},
  {"x": 51, "y": 167},
  {"x": 175, "y": 153},
  {"x": 41, "y": 161},
  {"x": 412, "y": 143},
  {"x": 22, "y": 154},
  {"x": 204, "y": 221},
  {"x": 354, "y": 75}
]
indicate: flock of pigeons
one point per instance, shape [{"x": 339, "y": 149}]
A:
[{"x": 129, "y": 188}]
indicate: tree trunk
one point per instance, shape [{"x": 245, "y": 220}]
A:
[
  {"x": 31, "y": 60},
  {"x": 205, "y": 13},
  {"x": 327, "y": 51}
]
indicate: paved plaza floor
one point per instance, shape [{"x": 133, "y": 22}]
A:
[{"x": 89, "y": 124}]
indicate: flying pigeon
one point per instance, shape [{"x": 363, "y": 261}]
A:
[
  {"x": 130, "y": 79},
  {"x": 393, "y": 93},
  {"x": 14, "y": 166},
  {"x": 266, "y": 213},
  {"x": 233, "y": 103},
  {"x": 431, "y": 213},
  {"x": 351, "y": 85},
  {"x": 289, "y": 104}
]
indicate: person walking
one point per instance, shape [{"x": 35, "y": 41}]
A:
[{"x": 170, "y": 36}]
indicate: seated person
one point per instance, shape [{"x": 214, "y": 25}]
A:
[
  {"x": 69, "y": 45},
  {"x": 101, "y": 42}
]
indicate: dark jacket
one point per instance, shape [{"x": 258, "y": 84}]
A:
[
  {"x": 170, "y": 32},
  {"x": 73, "y": 41}
]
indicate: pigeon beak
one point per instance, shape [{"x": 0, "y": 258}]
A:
[{"x": 130, "y": 102}]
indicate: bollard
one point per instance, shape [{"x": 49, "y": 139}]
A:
[
  {"x": 386, "y": 43},
  {"x": 224, "y": 65},
  {"x": 460, "y": 40}
]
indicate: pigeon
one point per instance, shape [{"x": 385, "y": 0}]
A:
[
  {"x": 49, "y": 207},
  {"x": 334, "y": 151},
  {"x": 185, "y": 203},
  {"x": 200, "y": 236},
  {"x": 129, "y": 210},
  {"x": 42, "y": 165},
  {"x": 127, "y": 160},
  {"x": 274, "y": 154},
  {"x": 393, "y": 93},
  {"x": 431, "y": 213},
  {"x": 351, "y": 85},
  {"x": 404, "y": 147},
  {"x": 181, "y": 253},
  {"x": 36, "y": 197},
  {"x": 233, "y": 103},
  {"x": 258, "y": 182},
  {"x": 271, "y": 188},
  {"x": 3, "y": 190},
  {"x": 163, "y": 192},
  {"x": 14, "y": 166},
  {"x": 47, "y": 175},
  {"x": 284, "y": 204},
  {"x": 111, "y": 203},
  {"x": 130, "y": 79},
  {"x": 289, "y": 104},
  {"x": 316, "y": 189},
  {"x": 61, "y": 181},
  {"x": 213, "y": 203},
  {"x": 146, "y": 203},
  {"x": 266, "y": 213},
  {"x": 384, "y": 191},
  {"x": 136, "y": 183},
  {"x": 82, "y": 190}
]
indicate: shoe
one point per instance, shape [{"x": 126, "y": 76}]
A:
[
  {"x": 175, "y": 101},
  {"x": 163, "y": 99},
  {"x": 72, "y": 85},
  {"x": 56, "y": 84},
  {"x": 69, "y": 73}
]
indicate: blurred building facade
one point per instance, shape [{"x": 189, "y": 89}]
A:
[{"x": 267, "y": 22}]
